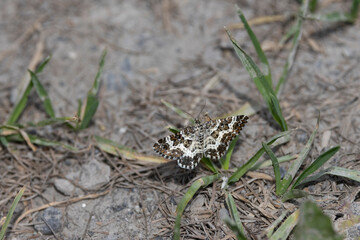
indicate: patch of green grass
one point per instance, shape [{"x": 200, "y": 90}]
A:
[{"x": 14, "y": 131}]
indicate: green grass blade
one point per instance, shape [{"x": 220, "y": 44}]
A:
[
  {"x": 269, "y": 231},
  {"x": 177, "y": 110},
  {"x": 235, "y": 228},
  {"x": 50, "y": 121},
  {"x": 21, "y": 102},
  {"x": 11, "y": 212},
  {"x": 209, "y": 164},
  {"x": 20, "y": 105},
  {"x": 344, "y": 172},
  {"x": 96, "y": 85},
  {"x": 293, "y": 193},
  {"x": 314, "y": 224},
  {"x": 294, "y": 167},
  {"x": 225, "y": 161},
  {"x": 320, "y": 161},
  {"x": 234, "y": 213},
  {"x": 42, "y": 65},
  {"x": 79, "y": 113},
  {"x": 244, "y": 168},
  {"x": 336, "y": 171},
  {"x": 268, "y": 163},
  {"x": 289, "y": 33},
  {"x": 43, "y": 95},
  {"x": 92, "y": 101},
  {"x": 3, "y": 140},
  {"x": 355, "y": 9},
  {"x": 313, "y": 5},
  {"x": 265, "y": 64},
  {"x": 40, "y": 141},
  {"x": 285, "y": 229},
  {"x": 261, "y": 83},
  {"x": 201, "y": 182},
  {"x": 295, "y": 43},
  {"x": 173, "y": 130},
  {"x": 276, "y": 167}
]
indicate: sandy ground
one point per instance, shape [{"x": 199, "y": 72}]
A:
[{"x": 176, "y": 51}]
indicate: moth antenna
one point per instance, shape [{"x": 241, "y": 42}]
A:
[{"x": 202, "y": 109}]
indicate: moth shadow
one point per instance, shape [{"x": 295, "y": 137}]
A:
[{"x": 171, "y": 171}]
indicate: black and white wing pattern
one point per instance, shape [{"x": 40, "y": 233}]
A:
[{"x": 210, "y": 139}]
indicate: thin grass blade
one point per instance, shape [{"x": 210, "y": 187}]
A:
[
  {"x": 320, "y": 161},
  {"x": 276, "y": 167},
  {"x": 40, "y": 141},
  {"x": 51, "y": 121},
  {"x": 294, "y": 167},
  {"x": 354, "y": 11},
  {"x": 43, "y": 95},
  {"x": 285, "y": 229},
  {"x": 313, "y": 5},
  {"x": 262, "y": 57},
  {"x": 20, "y": 105},
  {"x": 294, "y": 193},
  {"x": 234, "y": 213},
  {"x": 92, "y": 101},
  {"x": 336, "y": 171},
  {"x": 177, "y": 110},
  {"x": 270, "y": 230},
  {"x": 225, "y": 161},
  {"x": 235, "y": 228},
  {"x": 209, "y": 164},
  {"x": 289, "y": 34},
  {"x": 8, "y": 130},
  {"x": 119, "y": 150},
  {"x": 22, "y": 100},
  {"x": 268, "y": 163},
  {"x": 244, "y": 168},
  {"x": 201, "y": 182},
  {"x": 42, "y": 65},
  {"x": 297, "y": 32},
  {"x": 173, "y": 130},
  {"x": 261, "y": 83},
  {"x": 3, "y": 140},
  {"x": 11, "y": 212}
]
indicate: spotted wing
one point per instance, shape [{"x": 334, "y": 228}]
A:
[
  {"x": 183, "y": 146},
  {"x": 219, "y": 133}
]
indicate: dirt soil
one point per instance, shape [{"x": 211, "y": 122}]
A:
[{"x": 175, "y": 51}]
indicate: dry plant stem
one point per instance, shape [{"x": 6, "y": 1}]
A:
[
  {"x": 258, "y": 21},
  {"x": 166, "y": 13},
  {"x": 49, "y": 226},
  {"x": 212, "y": 82},
  {"x": 114, "y": 166},
  {"x": 35, "y": 60},
  {"x": 30, "y": 30},
  {"x": 52, "y": 204}
]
